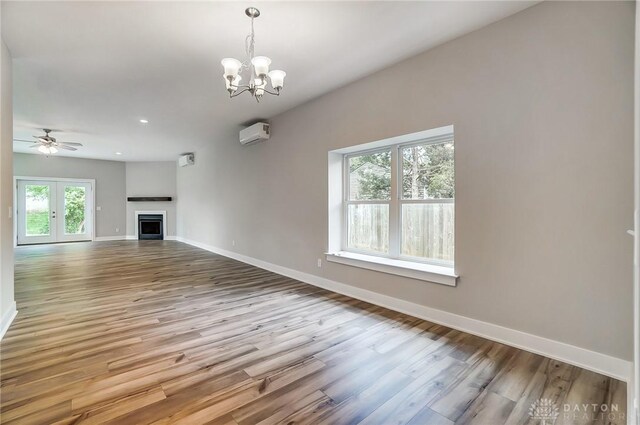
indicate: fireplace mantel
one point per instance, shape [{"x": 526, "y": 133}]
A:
[{"x": 149, "y": 199}]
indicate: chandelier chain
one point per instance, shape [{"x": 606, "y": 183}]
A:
[{"x": 250, "y": 45}]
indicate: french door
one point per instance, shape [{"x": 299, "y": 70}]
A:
[{"x": 54, "y": 211}]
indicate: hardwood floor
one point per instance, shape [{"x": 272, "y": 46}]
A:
[{"x": 160, "y": 332}]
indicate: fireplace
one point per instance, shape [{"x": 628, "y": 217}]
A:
[{"x": 150, "y": 226}]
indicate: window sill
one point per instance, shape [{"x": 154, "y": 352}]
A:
[{"x": 414, "y": 270}]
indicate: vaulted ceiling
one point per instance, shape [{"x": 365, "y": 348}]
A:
[{"x": 94, "y": 69}]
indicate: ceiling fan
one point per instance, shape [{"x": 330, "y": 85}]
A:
[{"x": 48, "y": 145}]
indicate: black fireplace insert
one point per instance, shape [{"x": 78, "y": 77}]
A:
[{"x": 150, "y": 226}]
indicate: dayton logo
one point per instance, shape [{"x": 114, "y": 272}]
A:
[{"x": 544, "y": 410}]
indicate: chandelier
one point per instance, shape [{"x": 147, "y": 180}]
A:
[{"x": 257, "y": 67}]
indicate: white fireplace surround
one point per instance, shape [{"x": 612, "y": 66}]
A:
[{"x": 164, "y": 222}]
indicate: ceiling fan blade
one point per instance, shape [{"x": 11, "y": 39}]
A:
[
  {"x": 26, "y": 141},
  {"x": 71, "y": 143},
  {"x": 69, "y": 148},
  {"x": 37, "y": 145}
]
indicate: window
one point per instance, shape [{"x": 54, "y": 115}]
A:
[
  {"x": 368, "y": 201},
  {"x": 399, "y": 201},
  {"x": 426, "y": 204}
]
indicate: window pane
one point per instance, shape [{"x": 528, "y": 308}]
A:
[
  {"x": 370, "y": 176},
  {"x": 427, "y": 231},
  {"x": 74, "y": 207},
  {"x": 37, "y": 210},
  {"x": 427, "y": 171},
  {"x": 368, "y": 227}
]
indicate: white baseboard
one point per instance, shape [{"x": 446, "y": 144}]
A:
[
  {"x": 587, "y": 359},
  {"x": 109, "y": 238},
  {"x": 7, "y": 319},
  {"x": 120, "y": 238}
]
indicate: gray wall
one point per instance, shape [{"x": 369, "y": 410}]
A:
[
  {"x": 6, "y": 184},
  {"x": 542, "y": 104},
  {"x": 151, "y": 179},
  {"x": 110, "y": 184}
]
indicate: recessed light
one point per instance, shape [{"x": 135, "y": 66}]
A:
[
  {"x": 143, "y": 121},
  {"x": 118, "y": 153}
]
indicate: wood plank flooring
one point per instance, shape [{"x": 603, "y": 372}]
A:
[{"x": 158, "y": 332}]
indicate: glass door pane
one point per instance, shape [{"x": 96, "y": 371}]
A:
[
  {"x": 75, "y": 198},
  {"x": 75, "y": 206},
  {"x": 36, "y": 212}
]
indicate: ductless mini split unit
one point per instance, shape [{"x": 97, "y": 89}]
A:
[
  {"x": 186, "y": 159},
  {"x": 256, "y": 133}
]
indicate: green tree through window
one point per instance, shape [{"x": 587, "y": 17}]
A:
[
  {"x": 428, "y": 171},
  {"x": 372, "y": 176},
  {"x": 37, "y": 209},
  {"x": 74, "y": 203}
]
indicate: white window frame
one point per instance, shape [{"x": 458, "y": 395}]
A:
[
  {"x": 392, "y": 262},
  {"x": 448, "y": 138},
  {"x": 346, "y": 201}
]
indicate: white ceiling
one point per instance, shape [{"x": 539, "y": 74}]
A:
[{"x": 93, "y": 69}]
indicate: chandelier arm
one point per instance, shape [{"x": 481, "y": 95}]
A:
[
  {"x": 238, "y": 93},
  {"x": 277, "y": 93},
  {"x": 241, "y": 86}
]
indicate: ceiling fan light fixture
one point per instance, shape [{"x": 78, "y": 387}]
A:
[
  {"x": 47, "y": 150},
  {"x": 48, "y": 145}
]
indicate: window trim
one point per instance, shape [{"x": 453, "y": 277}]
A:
[
  {"x": 414, "y": 267},
  {"x": 395, "y": 266}
]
